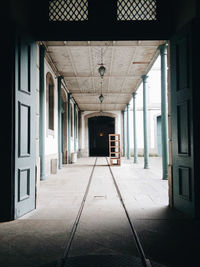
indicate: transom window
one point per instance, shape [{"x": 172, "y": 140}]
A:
[
  {"x": 127, "y": 10},
  {"x": 68, "y": 10},
  {"x": 136, "y": 10}
]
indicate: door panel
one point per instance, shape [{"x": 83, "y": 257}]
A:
[
  {"x": 182, "y": 130},
  {"x": 25, "y": 118}
]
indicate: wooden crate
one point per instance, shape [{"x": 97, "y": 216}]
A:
[{"x": 114, "y": 149}]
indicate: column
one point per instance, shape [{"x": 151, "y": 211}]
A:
[
  {"x": 59, "y": 123},
  {"x": 124, "y": 132},
  {"x": 164, "y": 116},
  {"x": 75, "y": 128},
  {"x": 128, "y": 132},
  {"x": 42, "y": 114},
  {"x": 134, "y": 129},
  {"x": 69, "y": 128},
  {"x": 146, "y": 146},
  {"x": 79, "y": 132}
]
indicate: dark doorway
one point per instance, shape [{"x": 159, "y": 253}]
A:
[{"x": 99, "y": 129}]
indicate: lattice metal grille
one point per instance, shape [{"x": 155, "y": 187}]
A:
[
  {"x": 68, "y": 10},
  {"x": 136, "y": 10}
]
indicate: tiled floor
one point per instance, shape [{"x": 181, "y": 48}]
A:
[{"x": 39, "y": 238}]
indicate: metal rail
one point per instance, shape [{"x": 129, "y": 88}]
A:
[
  {"x": 146, "y": 262},
  {"x": 75, "y": 225}
]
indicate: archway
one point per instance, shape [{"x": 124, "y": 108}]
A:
[{"x": 99, "y": 128}]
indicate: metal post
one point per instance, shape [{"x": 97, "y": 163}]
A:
[
  {"x": 42, "y": 114},
  {"x": 134, "y": 130},
  {"x": 164, "y": 117},
  {"x": 79, "y": 131},
  {"x": 128, "y": 132},
  {"x": 146, "y": 146},
  {"x": 69, "y": 128},
  {"x": 59, "y": 123},
  {"x": 75, "y": 126},
  {"x": 124, "y": 137}
]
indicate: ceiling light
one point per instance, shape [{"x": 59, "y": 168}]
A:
[
  {"x": 101, "y": 98},
  {"x": 102, "y": 69}
]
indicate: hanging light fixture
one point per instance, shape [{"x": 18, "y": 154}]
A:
[
  {"x": 101, "y": 97},
  {"x": 102, "y": 69}
]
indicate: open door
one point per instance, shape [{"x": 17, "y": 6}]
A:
[
  {"x": 182, "y": 122},
  {"x": 25, "y": 118},
  {"x": 99, "y": 129}
]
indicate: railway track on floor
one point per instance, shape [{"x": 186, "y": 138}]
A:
[{"x": 143, "y": 259}]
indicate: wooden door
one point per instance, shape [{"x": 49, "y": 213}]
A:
[
  {"x": 25, "y": 118},
  {"x": 182, "y": 122}
]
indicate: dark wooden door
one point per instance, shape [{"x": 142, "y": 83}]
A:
[
  {"x": 182, "y": 122},
  {"x": 99, "y": 130},
  {"x": 25, "y": 118}
]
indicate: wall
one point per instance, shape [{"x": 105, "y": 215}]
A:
[
  {"x": 51, "y": 140},
  {"x": 187, "y": 12}
]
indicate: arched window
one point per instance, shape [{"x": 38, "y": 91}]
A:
[
  {"x": 50, "y": 102},
  {"x": 72, "y": 124},
  {"x": 77, "y": 123}
]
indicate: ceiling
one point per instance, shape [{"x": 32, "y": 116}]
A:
[{"x": 125, "y": 62}]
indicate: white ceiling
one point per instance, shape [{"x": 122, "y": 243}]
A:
[{"x": 125, "y": 62}]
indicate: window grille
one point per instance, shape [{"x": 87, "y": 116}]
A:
[
  {"x": 136, "y": 10},
  {"x": 68, "y": 10}
]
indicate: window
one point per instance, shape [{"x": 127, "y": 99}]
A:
[
  {"x": 136, "y": 10},
  {"x": 50, "y": 102},
  {"x": 51, "y": 107},
  {"x": 68, "y": 10},
  {"x": 72, "y": 125},
  {"x": 77, "y": 124}
]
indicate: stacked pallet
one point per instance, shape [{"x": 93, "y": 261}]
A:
[{"x": 114, "y": 149}]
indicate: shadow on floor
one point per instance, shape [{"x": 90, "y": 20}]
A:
[{"x": 102, "y": 261}]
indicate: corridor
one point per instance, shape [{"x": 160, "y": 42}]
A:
[
  {"x": 65, "y": 63},
  {"x": 103, "y": 228}
]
